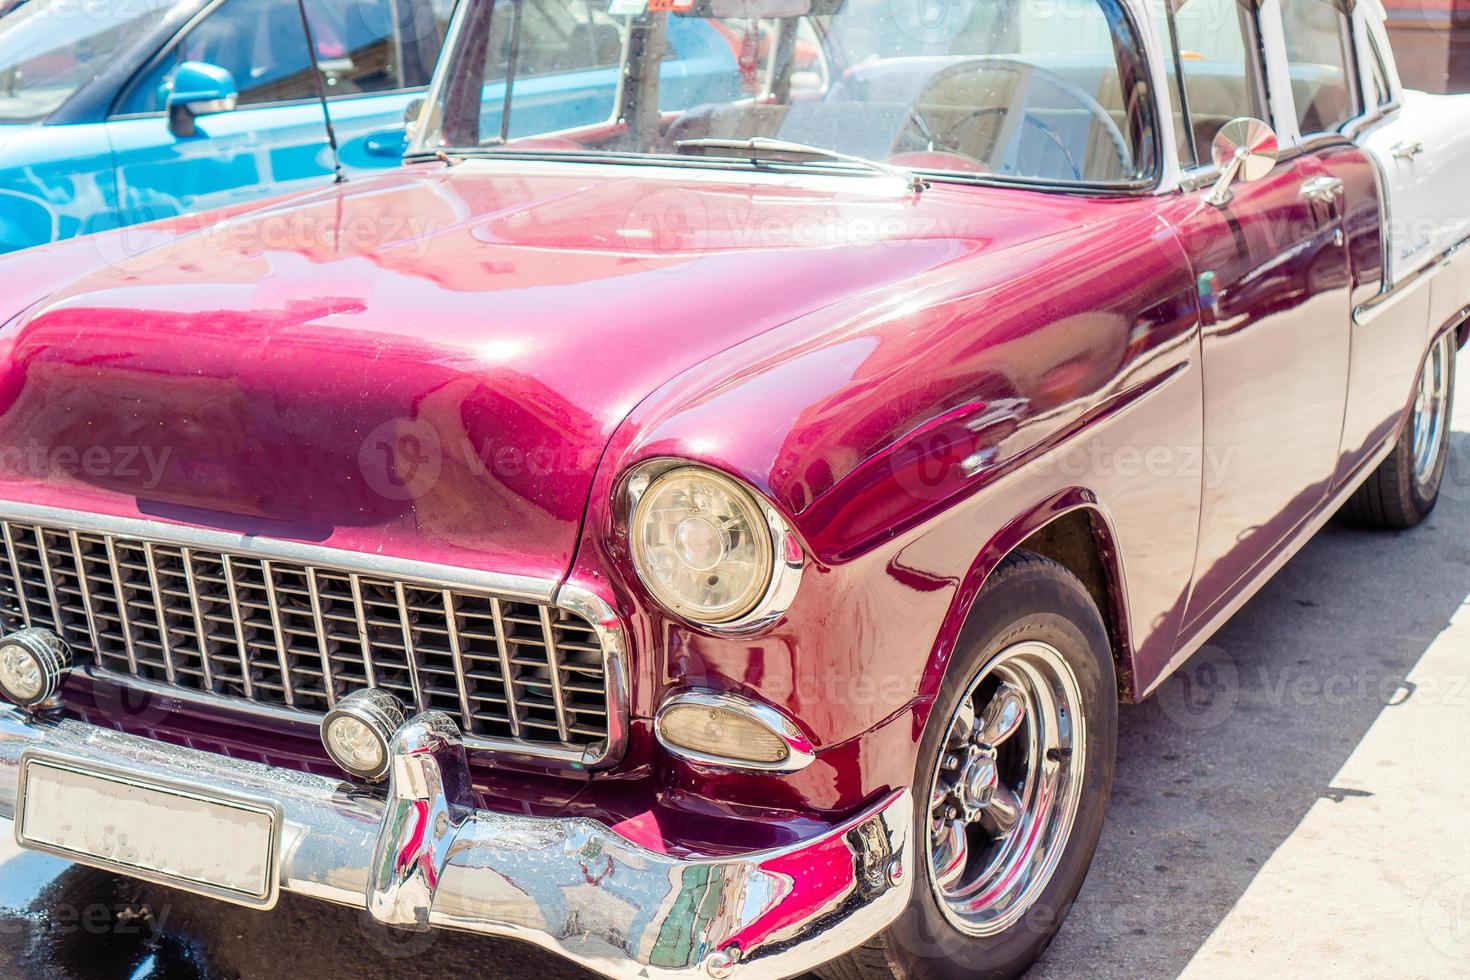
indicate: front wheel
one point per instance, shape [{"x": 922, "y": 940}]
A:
[
  {"x": 1405, "y": 487},
  {"x": 1011, "y": 787}
]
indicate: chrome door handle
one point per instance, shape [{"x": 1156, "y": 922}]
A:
[
  {"x": 1407, "y": 150},
  {"x": 1321, "y": 190}
]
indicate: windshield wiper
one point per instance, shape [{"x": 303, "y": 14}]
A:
[{"x": 756, "y": 145}]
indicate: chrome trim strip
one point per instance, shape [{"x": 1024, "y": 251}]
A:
[
  {"x": 329, "y": 684},
  {"x": 451, "y": 625},
  {"x": 254, "y": 546},
  {"x": 410, "y": 658},
  {"x": 85, "y": 586},
  {"x": 125, "y": 621},
  {"x": 363, "y": 638},
  {"x": 164, "y": 643},
  {"x": 201, "y": 632},
  {"x": 44, "y": 557},
  {"x": 527, "y": 877},
  {"x": 268, "y": 573},
  {"x": 553, "y": 667},
  {"x": 1431, "y": 267},
  {"x": 20, "y": 586},
  {"x": 502, "y": 649},
  {"x": 227, "y": 565},
  {"x": 800, "y": 752}
]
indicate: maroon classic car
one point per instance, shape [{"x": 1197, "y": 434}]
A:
[{"x": 715, "y": 539}]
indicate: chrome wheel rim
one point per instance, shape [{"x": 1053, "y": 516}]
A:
[
  {"x": 1431, "y": 411},
  {"x": 1006, "y": 789}
]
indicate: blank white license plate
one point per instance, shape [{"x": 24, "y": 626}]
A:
[{"x": 202, "y": 842}]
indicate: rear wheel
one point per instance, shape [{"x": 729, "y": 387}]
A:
[
  {"x": 1011, "y": 786},
  {"x": 1405, "y": 487}
]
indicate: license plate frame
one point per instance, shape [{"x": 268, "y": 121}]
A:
[{"x": 183, "y": 812}]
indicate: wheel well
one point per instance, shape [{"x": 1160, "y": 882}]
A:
[{"x": 1080, "y": 542}]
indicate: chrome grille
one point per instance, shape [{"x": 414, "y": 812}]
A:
[{"x": 298, "y": 636}]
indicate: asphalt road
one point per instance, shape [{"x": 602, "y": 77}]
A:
[{"x": 1288, "y": 804}]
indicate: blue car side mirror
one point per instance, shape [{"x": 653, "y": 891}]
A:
[{"x": 198, "y": 89}]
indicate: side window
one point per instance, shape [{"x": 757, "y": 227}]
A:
[
  {"x": 1318, "y": 51},
  {"x": 1219, "y": 61},
  {"x": 260, "y": 42},
  {"x": 366, "y": 46},
  {"x": 557, "y": 36}
]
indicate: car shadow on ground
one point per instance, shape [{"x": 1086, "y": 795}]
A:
[
  {"x": 1214, "y": 773},
  {"x": 1221, "y": 765}
]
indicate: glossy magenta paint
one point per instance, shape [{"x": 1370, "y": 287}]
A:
[{"x": 918, "y": 382}]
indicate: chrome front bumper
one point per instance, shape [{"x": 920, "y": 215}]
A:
[{"x": 424, "y": 858}]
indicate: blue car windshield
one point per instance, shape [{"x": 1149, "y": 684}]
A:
[
  {"x": 50, "y": 48},
  {"x": 1053, "y": 91}
]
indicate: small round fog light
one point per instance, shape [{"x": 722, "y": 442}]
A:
[
  {"x": 357, "y": 733},
  {"x": 33, "y": 663}
]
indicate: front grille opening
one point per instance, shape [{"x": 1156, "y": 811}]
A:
[{"x": 299, "y": 636}]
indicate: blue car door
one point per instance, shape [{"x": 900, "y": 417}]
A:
[{"x": 375, "y": 57}]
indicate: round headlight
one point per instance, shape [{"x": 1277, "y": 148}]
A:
[{"x": 702, "y": 545}]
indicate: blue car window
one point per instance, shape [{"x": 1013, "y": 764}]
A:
[
  {"x": 378, "y": 46},
  {"x": 49, "y": 48},
  {"x": 363, "y": 46},
  {"x": 260, "y": 42}
]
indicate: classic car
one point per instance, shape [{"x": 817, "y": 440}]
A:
[
  {"x": 115, "y": 114},
  {"x": 716, "y": 540}
]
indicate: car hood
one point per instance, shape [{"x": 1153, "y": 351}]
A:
[{"x": 430, "y": 364}]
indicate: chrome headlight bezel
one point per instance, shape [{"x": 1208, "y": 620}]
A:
[{"x": 785, "y": 557}]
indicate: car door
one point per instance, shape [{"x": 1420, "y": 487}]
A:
[
  {"x": 1331, "y": 101},
  {"x": 375, "y": 56},
  {"x": 1272, "y": 272}
]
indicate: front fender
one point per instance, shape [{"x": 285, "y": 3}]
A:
[{"x": 909, "y": 439}]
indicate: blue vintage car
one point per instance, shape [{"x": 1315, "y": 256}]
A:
[{"x": 117, "y": 113}]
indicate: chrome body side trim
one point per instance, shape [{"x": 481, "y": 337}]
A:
[
  {"x": 1414, "y": 279},
  {"x": 569, "y": 885}
]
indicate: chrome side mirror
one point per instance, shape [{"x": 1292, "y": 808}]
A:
[{"x": 1244, "y": 149}]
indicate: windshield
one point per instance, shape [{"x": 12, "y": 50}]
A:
[
  {"x": 50, "y": 48},
  {"x": 1037, "y": 90}
]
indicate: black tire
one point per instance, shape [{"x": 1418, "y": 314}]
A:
[
  {"x": 1027, "y": 598},
  {"x": 1391, "y": 497}
]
